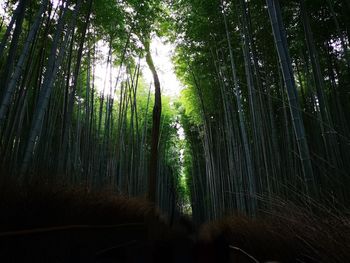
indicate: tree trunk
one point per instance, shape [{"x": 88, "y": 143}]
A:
[
  {"x": 286, "y": 67},
  {"x": 157, "y": 111},
  {"x": 8, "y": 30},
  {"x": 75, "y": 84},
  {"x": 47, "y": 87},
  {"x": 9, "y": 90},
  {"x": 248, "y": 161},
  {"x": 7, "y": 71}
]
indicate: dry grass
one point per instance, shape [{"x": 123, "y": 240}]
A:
[
  {"x": 56, "y": 224},
  {"x": 288, "y": 233},
  {"x": 60, "y": 223},
  {"x": 34, "y": 207}
]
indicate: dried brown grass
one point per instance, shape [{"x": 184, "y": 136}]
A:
[
  {"x": 39, "y": 206},
  {"x": 286, "y": 233},
  {"x": 59, "y": 224}
]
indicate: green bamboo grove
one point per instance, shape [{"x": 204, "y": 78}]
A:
[{"x": 265, "y": 105}]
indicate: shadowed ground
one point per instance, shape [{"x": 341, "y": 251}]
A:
[{"x": 55, "y": 225}]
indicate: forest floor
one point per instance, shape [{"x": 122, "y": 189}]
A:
[{"x": 78, "y": 226}]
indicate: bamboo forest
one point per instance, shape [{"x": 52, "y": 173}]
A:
[{"x": 175, "y": 131}]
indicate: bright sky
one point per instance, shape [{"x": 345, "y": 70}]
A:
[
  {"x": 162, "y": 53},
  {"x": 2, "y": 5}
]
